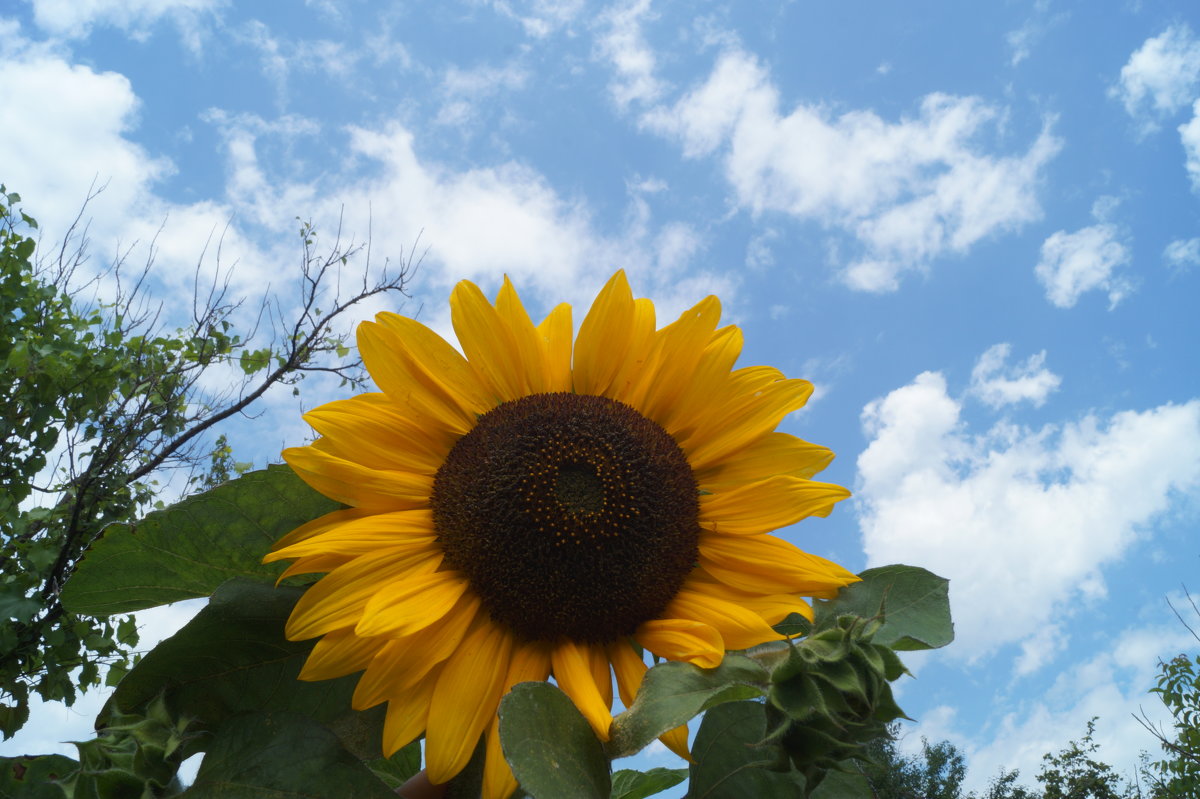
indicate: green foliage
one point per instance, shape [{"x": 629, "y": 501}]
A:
[
  {"x": 1177, "y": 773},
  {"x": 97, "y": 400},
  {"x": 187, "y": 550},
  {"x": 937, "y": 773},
  {"x": 550, "y": 745},
  {"x": 1074, "y": 773},
  {"x": 282, "y": 755},
  {"x": 629, "y": 784}
]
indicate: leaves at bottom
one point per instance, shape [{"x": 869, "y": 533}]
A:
[
  {"x": 731, "y": 760},
  {"x": 550, "y": 746},
  {"x": 281, "y": 755}
]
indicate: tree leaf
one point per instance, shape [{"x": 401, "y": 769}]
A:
[
  {"x": 29, "y": 776},
  {"x": 281, "y": 755},
  {"x": 673, "y": 693},
  {"x": 400, "y": 767},
  {"x": 550, "y": 746},
  {"x": 188, "y": 549},
  {"x": 731, "y": 763},
  {"x": 629, "y": 784},
  {"x": 232, "y": 658},
  {"x": 915, "y": 604}
]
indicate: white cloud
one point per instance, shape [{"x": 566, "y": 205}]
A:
[
  {"x": 478, "y": 223},
  {"x": 76, "y": 18},
  {"x": 463, "y": 89},
  {"x": 1164, "y": 73},
  {"x": 69, "y": 123},
  {"x": 540, "y": 18},
  {"x": 997, "y": 385},
  {"x": 1111, "y": 685},
  {"x": 624, "y": 45},
  {"x": 1072, "y": 263},
  {"x": 1189, "y": 136},
  {"x": 910, "y": 191},
  {"x": 1182, "y": 254},
  {"x": 983, "y": 509}
]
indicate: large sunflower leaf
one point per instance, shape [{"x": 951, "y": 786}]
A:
[
  {"x": 232, "y": 658},
  {"x": 282, "y": 755},
  {"x": 914, "y": 602},
  {"x": 629, "y": 784},
  {"x": 673, "y": 693},
  {"x": 550, "y": 746},
  {"x": 187, "y": 550},
  {"x": 731, "y": 760}
]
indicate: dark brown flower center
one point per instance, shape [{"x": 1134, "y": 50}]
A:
[{"x": 571, "y": 515}]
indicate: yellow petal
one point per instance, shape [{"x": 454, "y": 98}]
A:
[
  {"x": 575, "y": 676},
  {"x": 313, "y": 564},
  {"x": 365, "y": 434},
  {"x": 498, "y": 779},
  {"x": 677, "y": 741},
  {"x": 407, "y": 715},
  {"x": 337, "y": 600},
  {"x": 528, "y": 342},
  {"x": 740, "y": 628},
  {"x": 465, "y": 699},
  {"x": 339, "y": 653},
  {"x": 767, "y": 505},
  {"x": 601, "y": 673},
  {"x": 676, "y": 351},
  {"x": 683, "y": 639},
  {"x": 556, "y": 333},
  {"x": 638, "y": 345},
  {"x": 358, "y": 536},
  {"x": 603, "y": 341},
  {"x": 757, "y": 403},
  {"x": 710, "y": 378},
  {"x": 439, "y": 362},
  {"x": 317, "y": 526},
  {"x": 402, "y": 607},
  {"x": 422, "y": 396},
  {"x": 775, "y": 453},
  {"x": 530, "y": 662},
  {"x": 768, "y": 565},
  {"x": 629, "y": 668},
  {"x": 488, "y": 342},
  {"x": 406, "y": 661},
  {"x": 356, "y": 485}
]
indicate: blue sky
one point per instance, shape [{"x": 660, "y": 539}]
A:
[{"x": 975, "y": 227}]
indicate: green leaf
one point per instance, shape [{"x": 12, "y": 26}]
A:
[
  {"x": 400, "y": 767},
  {"x": 915, "y": 605},
  {"x": 731, "y": 760},
  {"x": 843, "y": 784},
  {"x": 281, "y": 755},
  {"x": 550, "y": 745},
  {"x": 673, "y": 693},
  {"x": 629, "y": 784},
  {"x": 190, "y": 548},
  {"x": 232, "y": 658},
  {"x": 29, "y": 777}
]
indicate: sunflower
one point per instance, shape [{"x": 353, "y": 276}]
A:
[{"x": 528, "y": 510}]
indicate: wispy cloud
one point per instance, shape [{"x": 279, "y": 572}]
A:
[{"x": 908, "y": 191}]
